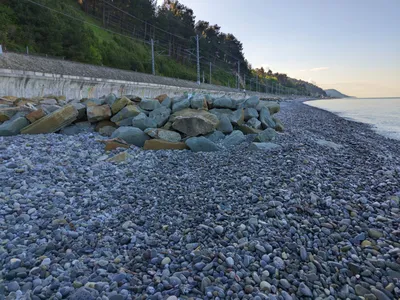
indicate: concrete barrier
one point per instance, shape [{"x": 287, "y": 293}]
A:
[{"x": 32, "y": 84}]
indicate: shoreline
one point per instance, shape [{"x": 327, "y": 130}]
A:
[
  {"x": 316, "y": 219},
  {"x": 388, "y": 134}
]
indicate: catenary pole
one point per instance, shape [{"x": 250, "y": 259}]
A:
[
  {"x": 153, "y": 65},
  {"x": 198, "y": 59}
]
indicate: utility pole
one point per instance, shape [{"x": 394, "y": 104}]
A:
[
  {"x": 203, "y": 76},
  {"x": 210, "y": 72},
  {"x": 198, "y": 59},
  {"x": 153, "y": 65},
  {"x": 244, "y": 76},
  {"x": 104, "y": 13}
]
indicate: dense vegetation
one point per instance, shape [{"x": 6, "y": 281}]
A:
[{"x": 117, "y": 34}]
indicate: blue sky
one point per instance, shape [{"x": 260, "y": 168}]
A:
[{"x": 350, "y": 45}]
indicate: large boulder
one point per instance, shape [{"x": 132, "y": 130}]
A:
[
  {"x": 251, "y": 102},
  {"x": 81, "y": 110},
  {"x": 50, "y": 108},
  {"x": 167, "y": 102},
  {"x": 131, "y": 135},
  {"x": 224, "y": 102},
  {"x": 160, "y": 115},
  {"x": 194, "y": 122},
  {"x": 7, "y": 113},
  {"x": 164, "y": 145},
  {"x": 107, "y": 130},
  {"x": 142, "y": 121},
  {"x": 53, "y": 122},
  {"x": 127, "y": 112},
  {"x": 120, "y": 104},
  {"x": 216, "y": 136},
  {"x": 35, "y": 115},
  {"x": 265, "y": 146},
  {"x": 237, "y": 117},
  {"x": 250, "y": 113},
  {"x": 49, "y": 101},
  {"x": 274, "y": 107},
  {"x": 267, "y": 135},
  {"x": 90, "y": 102},
  {"x": 149, "y": 104},
  {"x": 248, "y": 130},
  {"x": 266, "y": 119},
  {"x": 221, "y": 111},
  {"x": 104, "y": 123},
  {"x": 125, "y": 122},
  {"x": 210, "y": 101},
  {"x": 163, "y": 134},
  {"x": 279, "y": 125},
  {"x": 98, "y": 113},
  {"x": 110, "y": 99},
  {"x": 254, "y": 123},
  {"x": 13, "y": 126},
  {"x": 77, "y": 128},
  {"x": 161, "y": 97},
  {"x": 235, "y": 138},
  {"x": 199, "y": 102},
  {"x": 225, "y": 125},
  {"x": 201, "y": 144},
  {"x": 180, "y": 105}
]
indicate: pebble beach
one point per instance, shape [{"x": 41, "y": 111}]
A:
[{"x": 318, "y": 218}]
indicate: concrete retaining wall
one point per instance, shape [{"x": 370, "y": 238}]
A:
[{"x": 31, "y": 84}]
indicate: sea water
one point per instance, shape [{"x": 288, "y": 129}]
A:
[{"x": 382, "y": 113}]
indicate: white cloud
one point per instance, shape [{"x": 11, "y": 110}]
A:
[{"x": 319, "y": 69}]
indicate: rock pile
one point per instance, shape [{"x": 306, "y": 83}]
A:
[{"x": 197, "y": 122}]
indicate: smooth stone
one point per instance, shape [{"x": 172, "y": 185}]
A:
[{"x": 201, "y": 144}]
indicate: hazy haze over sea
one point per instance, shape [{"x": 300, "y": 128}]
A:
[{"x": 382, "y": 113}]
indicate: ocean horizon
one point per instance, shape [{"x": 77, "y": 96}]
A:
[{"x": 382, "y": 113}]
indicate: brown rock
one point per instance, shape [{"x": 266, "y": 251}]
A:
[
  {"x": 113, "y": 144},
  {"x": 9, "y": 100},
  {"x": 105, "y": 123},
  {"x": 121, "y": 157},
  {"x": 194, "y": 122},
  {"x": 98, "y": 113},
  {"x": 120, "y": 104},
  {"x": 164, "y": 145},
  {"x": 35, "y": 115},
  {"x": 161, "y": 98},
  {"x": 53, "y": 122}
]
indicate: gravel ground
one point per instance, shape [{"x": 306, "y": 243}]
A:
[{"x": 307, "y": 221}]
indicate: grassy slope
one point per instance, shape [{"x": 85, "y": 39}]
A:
[{"x": 139, "y": 53}]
